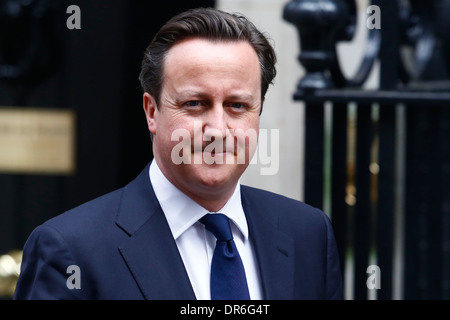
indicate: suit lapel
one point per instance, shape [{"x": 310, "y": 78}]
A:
[
  {"x": 274, "y": 249},
  {"x": 152, "y": 256},
  {"x": 150, "y": 252}
]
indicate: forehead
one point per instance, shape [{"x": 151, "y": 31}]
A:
[
  {"x": 213, "y": 45},
  {"x": 199, "y": 60}
]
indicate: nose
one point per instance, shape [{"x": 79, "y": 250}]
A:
[{"x": 215, "y": 122}]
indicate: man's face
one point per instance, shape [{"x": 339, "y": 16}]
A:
[{"x": 205, "y": 128}]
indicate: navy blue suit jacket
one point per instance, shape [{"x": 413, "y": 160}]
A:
[{"x": 124, "y": 249}]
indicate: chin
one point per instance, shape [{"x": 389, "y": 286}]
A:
[{"x": 218, "y": 175}]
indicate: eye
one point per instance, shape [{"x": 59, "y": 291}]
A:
[
  {"x": 193, "y": 103},
  {"x": 237, "y": 105}
]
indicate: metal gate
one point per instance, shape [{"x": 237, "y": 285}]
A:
[{"x": 378, "y": 161}]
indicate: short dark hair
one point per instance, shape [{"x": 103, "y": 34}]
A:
[{"x": 210, "y": 24}]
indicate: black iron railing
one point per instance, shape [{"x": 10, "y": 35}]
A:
[{"x": 389, "y": 157}]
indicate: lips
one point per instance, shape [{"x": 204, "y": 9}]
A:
[{"x": 214, "y": 148}]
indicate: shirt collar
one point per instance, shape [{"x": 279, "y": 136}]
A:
[{"x": 182, "y": 212}]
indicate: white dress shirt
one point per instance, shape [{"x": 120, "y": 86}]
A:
[{"x": 195, "y": 244}]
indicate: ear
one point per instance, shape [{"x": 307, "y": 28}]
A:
[{"x": 150, "y": 109}]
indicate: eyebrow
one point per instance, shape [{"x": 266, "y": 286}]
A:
[
  {"x": 203, "y": 95},
  {"x": 244, "y": 96}
]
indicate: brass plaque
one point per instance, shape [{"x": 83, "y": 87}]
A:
[{"x": 37, "y": 141}]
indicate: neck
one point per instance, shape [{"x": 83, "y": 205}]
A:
[{"x": 212, "y": 203}]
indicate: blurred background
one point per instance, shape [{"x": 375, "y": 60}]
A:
[{"x": 360, "y": 101}]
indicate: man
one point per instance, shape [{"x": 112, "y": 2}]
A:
[{"x": 204, "y": 77}]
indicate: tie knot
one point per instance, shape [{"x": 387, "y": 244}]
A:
[{"x": 219, "y": 225}]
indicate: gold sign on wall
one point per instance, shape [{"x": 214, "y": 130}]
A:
[{"x": 37, "y": 141}]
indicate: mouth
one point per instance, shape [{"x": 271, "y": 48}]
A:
[
  {"x": 214, "y": 153},
  {"x": 214, "y": 156},
  {"x": 214, "y": 150},
  {"x": 219, "y": 151},
  {"x": 217, "y": 154}
]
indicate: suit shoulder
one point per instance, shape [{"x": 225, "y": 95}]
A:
[
  {"x": 88, "y": 214},
  {"x": 272, "y": 199},
  {"x": 286, "y": 211}
]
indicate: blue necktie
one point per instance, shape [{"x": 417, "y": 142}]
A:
[{"x": 228, "y": 281}]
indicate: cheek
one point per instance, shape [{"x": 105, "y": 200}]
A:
[
  {"x": 169, "y": 123},
  {"x": 246, "y": 138},
  {"x": 175, "y": 140},
  {"x": 165, "y": 134}
]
